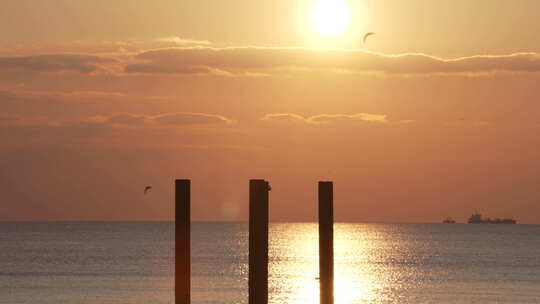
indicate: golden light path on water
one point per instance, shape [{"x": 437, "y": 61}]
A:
[{"x": 298, "y": 254}]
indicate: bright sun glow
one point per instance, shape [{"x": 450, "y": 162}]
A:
[{"x": 330, "y": 17}]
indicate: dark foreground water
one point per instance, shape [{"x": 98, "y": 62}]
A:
[{"x": 57, "y": 263}]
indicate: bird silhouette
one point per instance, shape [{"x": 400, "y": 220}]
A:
[
  {"x": 367, "y": 35},
  {"x": 147, "y": 188}
]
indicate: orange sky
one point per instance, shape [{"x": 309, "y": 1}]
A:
[{"x": 437, "y": 115}]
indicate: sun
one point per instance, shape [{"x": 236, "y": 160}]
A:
[{"x": 330, "y": 17}]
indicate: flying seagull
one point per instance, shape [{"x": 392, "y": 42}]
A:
[
  {"x": 147, "y": 188},
  {"x": 367, "y": 35}
]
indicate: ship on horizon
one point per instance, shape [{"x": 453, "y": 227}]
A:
[
  {"x": 449, "y": 220},
  {"x": 476, "y": 218}
]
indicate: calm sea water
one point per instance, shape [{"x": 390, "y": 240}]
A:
[{"x": 106, "y": 263}]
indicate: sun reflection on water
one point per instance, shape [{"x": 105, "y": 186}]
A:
[{"x": 294, "y": 267}]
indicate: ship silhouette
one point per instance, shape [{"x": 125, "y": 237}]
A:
[
  {"x": 476, "y": 218},
  {"x": 449, "y": 220}
]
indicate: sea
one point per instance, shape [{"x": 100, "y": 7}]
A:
[{"x": 127, "y": 262}]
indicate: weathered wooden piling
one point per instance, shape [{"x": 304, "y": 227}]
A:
[
  {"x": 182, "y": 282},
  {"x": 326, "y": 242},
  {"x": 258, "y": 241}
]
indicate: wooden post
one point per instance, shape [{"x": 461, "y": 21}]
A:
[
  {"x": 258, "y": 241},
  {"x": 326, "y": 242},
  {"x": 182, "y": 283}
]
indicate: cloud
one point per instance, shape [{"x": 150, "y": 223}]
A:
[
  {"x": 126, "y": 119},
  {"x": 54, "y": 63},
  {"x": 14, "y": 130},
  {"x": 166, "y": 69},
  {"x": 284, "y": 117},
  {"x": 326, "y": 118},
  {"x": 63, "y": 95},
  {"x": 182, "y": 41},
  {"x": 197, "y": 60},
  {"x": 106, "y": 48},
  {"x": 194, "y": 57},
  {"x": 190, "y": 119},
  {"x": 167, "y": 119}
]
